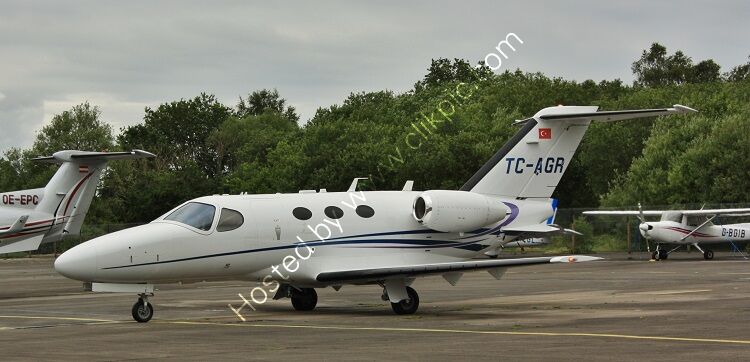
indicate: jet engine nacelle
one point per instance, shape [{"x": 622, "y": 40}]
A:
[{"x": 457, "y": 211}]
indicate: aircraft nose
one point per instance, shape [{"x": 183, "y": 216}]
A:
[{"x": 78, "y": 263}]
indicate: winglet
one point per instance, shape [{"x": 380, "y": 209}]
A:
[{"x": 684, "y": 109}]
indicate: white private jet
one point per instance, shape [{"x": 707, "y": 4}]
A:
[
  {"x": 293, "y": 243},
  {"x": 686, "y": 227},
  {"x": 48, "y": 214}
]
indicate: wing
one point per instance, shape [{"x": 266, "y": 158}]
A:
[
  {"x": 624, "y": 212},
  {"x": 538, "y": 230},
  {"x": 410, "y": 271},
  {"x": 725, "y": 212}
]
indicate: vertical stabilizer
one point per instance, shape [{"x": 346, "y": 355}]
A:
[{"x": 532, "y": 162}]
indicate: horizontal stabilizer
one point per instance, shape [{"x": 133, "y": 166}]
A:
[
  {"x": 408, "y": 271},
  {"x": 93, "y": 157},
  {"x": 16, "y": 227},
  {"x": 611, "y": 116},
  {"x": 23, "y": 245},
  {"x": 539, "y": 230}
]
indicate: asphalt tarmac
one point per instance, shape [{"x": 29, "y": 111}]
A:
[{"x": 682, "y": 309}]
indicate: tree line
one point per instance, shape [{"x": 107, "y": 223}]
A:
[{"x": 259, "y": 146}]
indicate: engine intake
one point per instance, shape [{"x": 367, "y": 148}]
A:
[{"x": 457, "y": 211}]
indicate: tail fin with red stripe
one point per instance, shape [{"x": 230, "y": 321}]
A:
[{"x": 69, "y": 193}]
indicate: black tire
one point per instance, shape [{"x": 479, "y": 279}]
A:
[
  {"x": 663, "y": 255},
  {"x": 655, "y": 255},
  {"x": 305, "y": 299},
  {"x": 708, "y": 254},
  {"x": 408, "y": 306},
  {"x": 142, "y": 313}
]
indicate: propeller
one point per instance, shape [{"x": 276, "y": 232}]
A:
[{"x": 644, "y": 227}]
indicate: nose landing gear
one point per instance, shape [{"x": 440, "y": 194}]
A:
[{"x": 142, "y": 310}]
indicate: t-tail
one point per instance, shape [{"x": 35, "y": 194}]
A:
[
  {"x": 69, "y": 193},
  {"x": 531, "y": 164}
]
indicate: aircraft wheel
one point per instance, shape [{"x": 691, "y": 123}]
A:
[
  {"x": 708, "y": 254},
  {"x": 408, "y": 306},
  {"x": 305, "y": 299},
  {"x": 663, "y": 255},
  {"x": 655, "y": 255},
  {"x": 142, "y": 312}
]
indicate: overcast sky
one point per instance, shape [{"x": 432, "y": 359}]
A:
[{"x": 127, "y": 55}]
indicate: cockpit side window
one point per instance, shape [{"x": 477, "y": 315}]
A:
[
  {"x": 229, "y": 220},
  {"x": 195, "y": 214},
  {"x": 672, "y": 216}
]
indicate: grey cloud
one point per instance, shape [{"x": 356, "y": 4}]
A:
[{"x": 128, "y": 55}]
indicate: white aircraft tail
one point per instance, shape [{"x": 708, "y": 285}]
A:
[
  {"x": 68, "y": 194},
  {"x": 532, "y": 162}
]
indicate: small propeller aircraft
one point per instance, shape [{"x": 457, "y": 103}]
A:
[
  {"x": 686, "y": 227},
  {"x": 48, "y": 214},
  {"x": 294, "y": 243}
]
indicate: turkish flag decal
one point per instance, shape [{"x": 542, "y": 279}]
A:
[{"x": 545, "y": 133}]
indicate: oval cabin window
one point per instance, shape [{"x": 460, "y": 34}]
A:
[
  {"x": 333, "y": 212},
  {"x": 365, "y": 211},
  {"x": 302, "y": 213}
]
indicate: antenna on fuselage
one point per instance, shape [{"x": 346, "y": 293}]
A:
[{"x": 353, "y": 186}]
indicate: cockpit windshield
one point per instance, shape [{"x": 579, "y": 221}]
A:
[{"x": 195, "y": 214}]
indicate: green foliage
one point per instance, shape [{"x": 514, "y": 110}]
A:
[
  {"x": 655, "y": 68},
  {"x": 583, "y": 243},
  {"x": 266, "y": 101},
  {"x": 178, "y": 132},
  {"x": 205, "y": 147},
  {"x": 739, "y": 73},
  {"x": 696, "y": 158}
]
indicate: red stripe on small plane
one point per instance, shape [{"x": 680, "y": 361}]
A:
[
  {"x": 686, "y": 231},
  {"x": 22, "y": 234},
  {"x": 29, "y": 224}
]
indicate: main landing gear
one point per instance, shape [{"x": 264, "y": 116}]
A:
[
  {"x": 407, "y": 306},
  {"x": 142, "y": 310},
  {"x": 661, "y": 254},
  {"x": 304, "y": 299},
  {"x": 708, "y": 254}
]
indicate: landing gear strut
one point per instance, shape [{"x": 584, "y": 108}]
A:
[
  {"x": 142, "y": 310},
  {"x": 659, "y": 254},
  {"x": 304, "y": 299},
  {"x": 407, "y": 306},
  {"x": 708, "y": 254}
]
